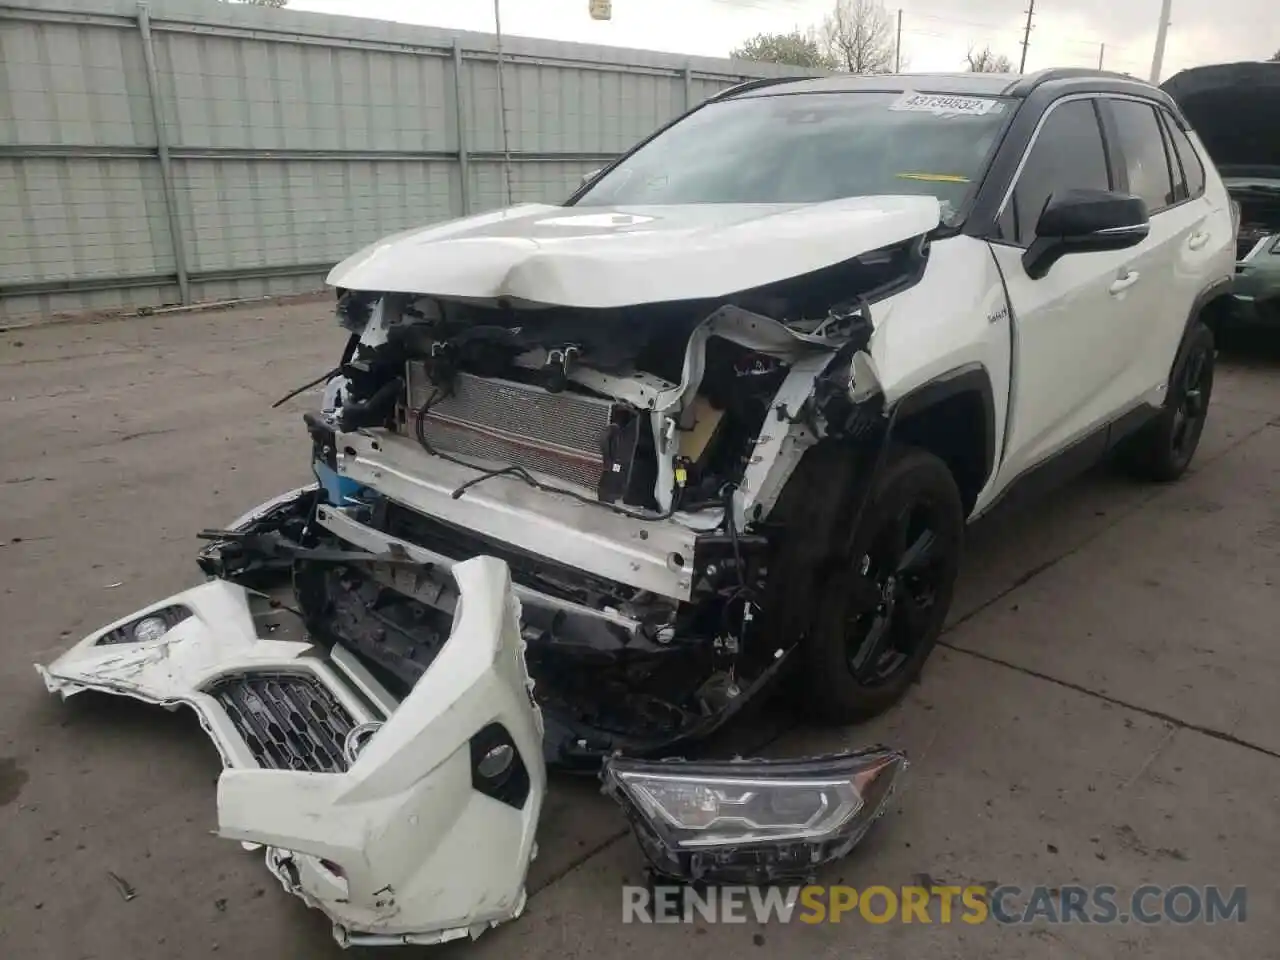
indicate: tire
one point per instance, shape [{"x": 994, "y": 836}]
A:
[
  {"x": 881, "y": 607},
  {"x": 1162, "y": 451}
]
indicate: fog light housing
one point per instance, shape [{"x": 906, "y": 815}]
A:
[
  {"x": 752, "y": 821},
  {"x": 147, "y": 628}
]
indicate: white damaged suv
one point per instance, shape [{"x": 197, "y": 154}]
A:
[{"x": 591, "y": 477}]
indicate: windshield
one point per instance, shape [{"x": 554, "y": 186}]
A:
[{"x": 812, "y": 147}]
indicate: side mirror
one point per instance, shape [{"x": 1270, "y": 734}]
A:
[
  {"x": 588, "y": 177},
  {"x": 1085, "y": 221}
]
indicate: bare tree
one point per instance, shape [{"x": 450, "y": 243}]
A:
[
  {"x": 984, "y": 61},
  {"x": 858, "y": 35},
  {"x": 265, "y": 3},
  {"x": 1275, "y": 57},
  {"x": 796, "y": 48}
]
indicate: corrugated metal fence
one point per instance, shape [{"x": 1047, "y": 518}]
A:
[{"x": 197, "y": 150}]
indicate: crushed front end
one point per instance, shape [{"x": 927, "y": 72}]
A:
[
  {"x": 539, "y": 535},
  {"x": 628, "y": 464}
]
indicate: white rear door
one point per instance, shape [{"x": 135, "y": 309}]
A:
[{"x": 1190, "y": 240}]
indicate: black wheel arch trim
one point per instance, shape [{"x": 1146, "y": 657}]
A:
[
  {"x": 1213, "y": 291},
  {"x": 969, "y": 378}
]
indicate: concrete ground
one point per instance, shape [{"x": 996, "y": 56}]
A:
[{"x": 1103, "y": 708}]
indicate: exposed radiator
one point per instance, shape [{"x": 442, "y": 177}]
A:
[{"x": 560, "y": 435}]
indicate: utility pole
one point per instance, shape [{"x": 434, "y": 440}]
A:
[
  {"x": 502, "y": 101},
  {"x": 1026, "y": 35},
  {"x": 897, "y": 47},
  {"x": 1102, "y": 50},
  {"x": 1162, "y": 34}
]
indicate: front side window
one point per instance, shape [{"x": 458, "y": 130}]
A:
[
  {"x": 1067, "y": 154},
  {"x": 1142, "y": 146},
  {"x": 813, "y": 147}
]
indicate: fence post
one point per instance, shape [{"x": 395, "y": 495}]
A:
[
  {"x": 162, "y": 151},
  {"x": 459, "y": 103}
]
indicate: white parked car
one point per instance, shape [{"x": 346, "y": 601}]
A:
[{"x": 591, "y": 477}]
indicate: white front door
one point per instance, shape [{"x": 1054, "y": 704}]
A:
[{"x": 1075, "y": 344}]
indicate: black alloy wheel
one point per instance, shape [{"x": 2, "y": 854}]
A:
[
  {"x": 1163, "y": 449},
  {"x": 894, "y": 593},
  {"x": 880, "y": 610},
  {"x": 1192, "y": 402}
]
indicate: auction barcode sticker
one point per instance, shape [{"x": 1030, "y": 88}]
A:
[{"x": 944, "y": 104}]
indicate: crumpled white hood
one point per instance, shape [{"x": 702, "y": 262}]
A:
[{"x": 618, "y": 256}]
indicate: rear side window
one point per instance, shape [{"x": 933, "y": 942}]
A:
[
  {"x": 1175, "y": 168},
  {"x": 1067, "y": 154},
  {"x": 1192, "y": 168},
  {"x": 1142, "y": 146}
]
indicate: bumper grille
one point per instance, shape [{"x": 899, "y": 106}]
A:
[
  {"x": 558, "y": 434},
  {"x": 289, "y": 721}
]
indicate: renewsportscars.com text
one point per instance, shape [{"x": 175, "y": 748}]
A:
[{"x": 942, "y": 904}]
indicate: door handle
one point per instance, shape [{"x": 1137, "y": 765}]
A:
[
  {"x": 1121, "y": 284},
  {"x": 1197, "y": 240}
]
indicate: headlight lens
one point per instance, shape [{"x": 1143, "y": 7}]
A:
[
  {"x": 752, "y": 821},
  {"x": 722, "y": 811}
]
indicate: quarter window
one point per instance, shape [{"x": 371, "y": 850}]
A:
[
  {"x": 1068, "y": 154},
  {"x": 1179, "y": 181},
  {"x": 1142, "y": 145},
  {"x": 1192, "y": 168}
]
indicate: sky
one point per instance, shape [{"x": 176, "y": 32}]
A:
[{"x": 936, "y": 34}]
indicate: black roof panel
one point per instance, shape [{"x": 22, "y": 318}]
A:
[
  {"x": 973, "y": 84},
  {"x": 960, "y": 84}
]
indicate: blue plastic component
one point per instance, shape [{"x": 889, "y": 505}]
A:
[{"x": 339, "y": 491}]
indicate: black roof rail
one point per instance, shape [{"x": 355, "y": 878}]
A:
[
  {"x": 754, "y": 84},
  {"x": 1023, "y": 86}
]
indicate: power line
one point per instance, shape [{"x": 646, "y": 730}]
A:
[
  {"x": 996, "y": 28},
  {"x": 772, "y": 6},
  {"x": 960, "y": 23}
]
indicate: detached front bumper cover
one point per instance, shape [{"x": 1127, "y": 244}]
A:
[
  {"x": 752, "y": 821},
  {"x": 412, "y": 828}
]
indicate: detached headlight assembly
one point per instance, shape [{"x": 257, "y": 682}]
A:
[{"x": 752, "y": 821}]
